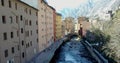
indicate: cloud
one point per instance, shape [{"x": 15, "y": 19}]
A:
[
  {"x": 86, "y": 7},
  {"x": 60, "y": 4}
]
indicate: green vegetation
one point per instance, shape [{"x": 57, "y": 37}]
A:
[
  {"x": 109, "y": 36},
  {"x": 112, "y": 48}
]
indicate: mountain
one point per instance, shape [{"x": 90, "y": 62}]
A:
[{"x": 104, "y": 6}]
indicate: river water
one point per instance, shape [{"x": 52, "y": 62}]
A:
[{"x": 73, "y": 52}]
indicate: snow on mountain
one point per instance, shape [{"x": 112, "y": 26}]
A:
[
  {"x": 90, "y": 8},
  {"x": 104, "y": 6}
]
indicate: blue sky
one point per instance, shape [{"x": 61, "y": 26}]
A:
[
  {"x": 69, "y": 7},
  {"x": 60, "y": 4},
  {"x": 64, "y": 6},
  {"x": 31, "y": 2}
]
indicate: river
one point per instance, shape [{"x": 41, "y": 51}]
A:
[{"x": 73, "y": 52}]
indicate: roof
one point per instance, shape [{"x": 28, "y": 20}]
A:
[
  {"x": 48, "y": 5},
  {"x": 45, "y": 2},
  {"x": 51, "y": 7},
  {"x": 27, "y": 4},
  {"x": 59, "y": 14}
]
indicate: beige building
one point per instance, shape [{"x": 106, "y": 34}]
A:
[
  {"x": 77, "y": 27},
  {"x": 84, "y": 23},
  {"x": 69, "y": 25},
  {"x": 18, "y": 31},
  {"x": 63, "y": 28},
  {"x": 58, "y": 26},
  {"x": 45, "y": 24}
]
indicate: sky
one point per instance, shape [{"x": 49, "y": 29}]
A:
[
  {"x": 31, "y": 2},
  {"x": 66, "y": 7},
  {"x": 70, "y": 7},
  {"x": 61, "y": 4}
]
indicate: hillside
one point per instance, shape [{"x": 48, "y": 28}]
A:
[{"x": 112, "y": 48}]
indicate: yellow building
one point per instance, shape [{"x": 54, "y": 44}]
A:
[{"x": 58, "y": 26}]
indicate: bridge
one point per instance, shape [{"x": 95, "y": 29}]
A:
[{"x": 69, "y": 49}]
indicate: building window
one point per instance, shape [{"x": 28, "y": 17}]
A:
[
  {"x": 22, "y": 42},
  {"x": 12, "y": 35},
  {"x": 31, "y": 43},
  {"x": 13, "y": 50},
  {"x": 10, "y": 4},
  {"x": 5, "y": 36},
  {"x": 42, "y": 16},
  {"x": 4, "y": 19},
  {"x": 2, "y": 2},
  {"x": 16, "y": 6},
  {"x": 28, "y": 44},
  {"x": 21, "y": 30},
  {"x": 16, "y": 19},
  {"x": 37, "y": 40},
  {"x": 26, "y": 10},
  {"x": 36, "y": 13},
  {"x": 11, "y": 19},
  {"x": 30, "y": 23},
  {"x": 23, "y": 55},
  {"x": 26, "y": 22},
  {"x": 37, "y": 31},
  {"x": 18, "y": 47},
  {"x": 31, "y": 32},
  {"x": 42, "y": 29},
  {"x": 30, "y": 11},
  {"x": 27, "y": 33},
  {"x": 6, "y": 53},
  {"x": 17, "y": 33},
  {"x": 36, "y": 22},
  {"x": 42, "y": 36},
  {"x": 21, "y": 17}
]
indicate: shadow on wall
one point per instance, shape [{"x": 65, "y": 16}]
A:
[{"x": 97, "y": 37}]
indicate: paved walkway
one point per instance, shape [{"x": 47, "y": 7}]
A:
[{"x": 46, "y": 55}]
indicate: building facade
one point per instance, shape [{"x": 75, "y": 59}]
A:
[
  {"x": 45, "y": 25},
  {"x": 69, "y": 25},
  {"x": 63, "y": 28},
  {"x": 19, "y": 31},
  {"x": 84, "y": 23},
  {"x": 77, "y": 27},
  {"x": 54, "y": 23},
  {"x": 58, "y": 26}
]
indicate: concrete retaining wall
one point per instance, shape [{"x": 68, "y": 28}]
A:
[
  {"x": 98, "y": 57},
  {"x": 46, "y": 55}
]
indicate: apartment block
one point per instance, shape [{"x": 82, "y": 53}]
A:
[
  {"x": 18, "y": 31},
  {"x": 54, "y": 23},
  {"x": 45, "y": 25},
  {"x": 58, "y": 26},
  {"x": 63, "y": 28},
  {"x": 84, "y": 23},
  {"x": 69, "y": 25}
]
